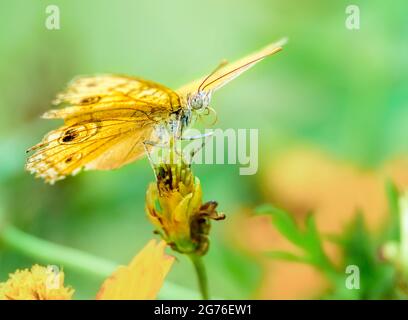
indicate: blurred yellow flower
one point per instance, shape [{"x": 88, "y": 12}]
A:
[
  {"x": 142, "y": 278},
  {"x": 174, "y": 206},
  {"x": 39, "y": 283}
]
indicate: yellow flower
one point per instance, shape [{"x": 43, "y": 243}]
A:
[
  {"x": 174, "y": 206},
  {"x": 39, "y": 283},
  {"x": 142, "y": 278}
]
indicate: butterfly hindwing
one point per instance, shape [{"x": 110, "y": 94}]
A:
[{"x": 68, "y": 149}]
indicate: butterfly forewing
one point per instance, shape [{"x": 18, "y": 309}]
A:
[
  {"x": 84, "y": 91},
  {"x": 230, "y": 71}
]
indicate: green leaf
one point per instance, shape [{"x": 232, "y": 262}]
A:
[
  {"x": 393, "y": 207},
  {"x": 283, "y": 255},
  {"x": 283, "y": 222},
  {"x": 313, "y": 245},
  {"x": 308, "y": 240}
]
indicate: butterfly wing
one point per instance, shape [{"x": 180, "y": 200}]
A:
[
  {"x": 106, "y": 123},
  {"x": 99, "y": 97},
  {"x": 229, "y": 71},
  {"x": 124, "y": 151}
]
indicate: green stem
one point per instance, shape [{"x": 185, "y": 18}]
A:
[
  {"x": 43, "y": 250},
  {"x": 74, "y": 259},
  {"x": 403, "y": 203},
  {"x": 201, "y": 275}
]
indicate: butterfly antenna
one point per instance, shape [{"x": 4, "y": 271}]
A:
[
  {"x": 277, "y": 49},
  {"x": 223, "y": 63}
]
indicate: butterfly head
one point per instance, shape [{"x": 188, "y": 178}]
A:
[{"x": 199, "y": 100}]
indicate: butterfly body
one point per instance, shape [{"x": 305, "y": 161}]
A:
[{"x": 109, "y": 118}]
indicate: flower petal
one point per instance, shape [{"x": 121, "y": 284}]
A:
[{"x": 142, "y": 278}]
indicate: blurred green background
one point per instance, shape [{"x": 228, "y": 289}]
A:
[{"x": 345, "y": 91}]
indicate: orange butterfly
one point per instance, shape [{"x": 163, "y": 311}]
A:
[{"x": 110, "y": 119}]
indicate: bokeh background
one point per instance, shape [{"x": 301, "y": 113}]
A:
[{"x": 332, "y": 111}]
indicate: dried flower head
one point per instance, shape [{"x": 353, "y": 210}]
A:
[{"x": 174, "y": 205}]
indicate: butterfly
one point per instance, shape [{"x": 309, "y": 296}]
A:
[{"x": 112, "y": 120}]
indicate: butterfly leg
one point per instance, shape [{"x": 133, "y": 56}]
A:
[
  {"x": 195, "y": 151},
  {"x": 149, "y": 156},
  {"x": 155, "y": 144},
  {"x": 147, "y": 143},
  {"x": 200, "y": 136}
]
